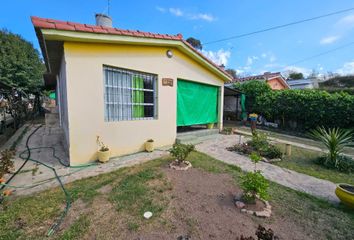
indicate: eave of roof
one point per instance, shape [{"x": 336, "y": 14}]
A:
[{"x": 50, "y": 29}]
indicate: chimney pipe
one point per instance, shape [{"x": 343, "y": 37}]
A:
[{"x": 103, "y": 20}]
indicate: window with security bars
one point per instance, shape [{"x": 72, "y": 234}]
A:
[{"x": 129, "y": 95}]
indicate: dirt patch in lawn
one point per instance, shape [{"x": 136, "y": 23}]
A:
[{"x": 200, "y": 205}]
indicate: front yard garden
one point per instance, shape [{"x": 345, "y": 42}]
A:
[{"x": 196, "y": 203}]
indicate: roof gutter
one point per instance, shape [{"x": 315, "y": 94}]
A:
[{"x": 51, "y": 34}]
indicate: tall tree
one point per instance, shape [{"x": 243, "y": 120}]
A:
[
  {"x": 232, "y": 72},
  {"x": 20, "y": 64},
  {"x": 195, "y": 43},
  {"x": 296, "y": 75}
]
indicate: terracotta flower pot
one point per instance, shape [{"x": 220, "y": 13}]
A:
[
  {"x": 149, "y": 146},
  {"x": 103, "y": 156},
  {"x": 345, "y": 192}
]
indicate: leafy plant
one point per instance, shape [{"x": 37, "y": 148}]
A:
[
  {"x": 101, "y": 145},
  {"x": 335, "y": 139},
  {"x": 254, "y": 184},
  {"x": 259, "y": 140},
  {"x": 242, "y": 148},
  {"x": 6, "y": 163},
  {"x": 181, "y": 151},
  {"x": 271, "y": 152}
]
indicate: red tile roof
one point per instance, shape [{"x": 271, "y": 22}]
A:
[
  {"x": 46, "y": 23},
  {"x": 265, "y": 76}
]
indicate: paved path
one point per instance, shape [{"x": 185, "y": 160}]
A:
[
  {"x": 34, "y": 174},
  {"x": 297, "y": 181}
]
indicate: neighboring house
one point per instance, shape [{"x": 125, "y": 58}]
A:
[
  {"x": 126, "y": 86},
  {"x": 301, "y": 83},
  {"x": 275, "y": 80}
]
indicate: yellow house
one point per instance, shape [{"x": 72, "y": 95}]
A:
[{"x": 126, "y": 86}]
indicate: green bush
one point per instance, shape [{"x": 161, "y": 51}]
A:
[
  {"x": 308, "y": 108},
  {"x": 345, "y": 163},
  {"x": 334, "y": 139},
  {"x": 271, "y": 152},
  {"x": 253, "y": 184},
  {"x": 181, "y": 151}
]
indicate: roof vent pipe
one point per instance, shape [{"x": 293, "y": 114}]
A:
[{"x": 103, "y": 20}]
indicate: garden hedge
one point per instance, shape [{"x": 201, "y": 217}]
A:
[{"x": 306, "y": 109}]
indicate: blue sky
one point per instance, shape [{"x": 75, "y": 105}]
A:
[{"x": 210, "y": 20}]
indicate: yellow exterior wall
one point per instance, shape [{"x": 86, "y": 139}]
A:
[{"x": 85, "y": 93}]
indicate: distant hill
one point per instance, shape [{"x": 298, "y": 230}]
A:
[{"x": 339, "y": 84}]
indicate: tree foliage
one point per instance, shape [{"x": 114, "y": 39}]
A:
[
  {"x": 195, "y": 43},
  {"x": 232, "y": 72},
  {"x": 308, "y": 108},
  {"x": 296, "y": 75},
  {"x": 20, "y": 65},
  {"x": 252, "y": 89}
]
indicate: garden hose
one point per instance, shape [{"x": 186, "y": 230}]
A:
[{"x": 28, "y": 150}]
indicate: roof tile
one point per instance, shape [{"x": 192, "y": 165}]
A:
[{"x": 71, "y": 26}]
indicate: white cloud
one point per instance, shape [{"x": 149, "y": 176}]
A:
[
  {"x": 176, "y": 11},
  {"x": 251, "y": 60},
  {"x": 329, "y": 39},
  {"x": 203, "y": 16},
  {"x": 305, "y": 71},
  {"x": 160, "y": 9},
  {"x": 219, "y": 57},
  {"x": 346, "y": 21},
  {"x": 191, "y": 16},
  {"x": 271, "y": 56},
  {"x": 348, "y": 68}
]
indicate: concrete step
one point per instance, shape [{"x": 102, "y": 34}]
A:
[{"x": 196, "y": 137}]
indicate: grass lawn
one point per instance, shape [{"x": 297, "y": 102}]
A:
[
  {"x": 197, "y": 202},
  {"x": 302, "y": 160}
]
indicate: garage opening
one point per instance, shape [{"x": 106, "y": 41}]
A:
[{"x": 197, "y": 105}]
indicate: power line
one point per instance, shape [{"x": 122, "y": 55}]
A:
[
  {"x": 279, "y": 26},
  {"x": 323, "y": 53}
]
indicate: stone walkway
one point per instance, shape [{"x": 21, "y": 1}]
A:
[
  {"x": 33, "y": 174},
  {"x": 297, "y": 181}
]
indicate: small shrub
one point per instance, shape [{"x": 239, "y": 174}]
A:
[
  {"x": 259, "y": 140},
  {"x": 227, "y": 131},
  {"x": 181, "y": 151},
  {"x": 345, "y": 163},
  {"x": 271, "y": 152},
  {"x": 6, "y": 163},
  {"x": 254, "y": 184},
  {"x": 335, "y": 139}
]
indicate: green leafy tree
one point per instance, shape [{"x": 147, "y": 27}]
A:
[
  {"x": 20, "y": 65},
  {"x": 252, "y": 90},
  {"x": 232, "y": 72},
  {"x": 195, "y": 43},
  {"x": 296, "y": 75}
]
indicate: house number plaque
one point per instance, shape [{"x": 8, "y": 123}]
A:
[{"x": 167, "y": 82}]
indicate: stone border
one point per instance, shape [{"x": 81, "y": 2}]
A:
[
  {"x": 178, "y": 168},
  {"x": 266, "y": 212}
]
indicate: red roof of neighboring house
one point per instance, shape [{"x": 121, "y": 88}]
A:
[
  {"x": 46, "y": 23},
  {"x": 265, "y": 76}
]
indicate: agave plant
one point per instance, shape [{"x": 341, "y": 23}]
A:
[{"x": 335, "y": 139}]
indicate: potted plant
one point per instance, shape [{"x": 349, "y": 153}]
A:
[
  {"x": 210, "y": 125},
  {"x": 345, "y": 192},
  {"x": 181, "y": 152},
  {"x": 149, "y": 145},
  {"x": 103, "y": 153}
]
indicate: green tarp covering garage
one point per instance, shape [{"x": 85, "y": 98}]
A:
[{"x": 196, "y": 103}]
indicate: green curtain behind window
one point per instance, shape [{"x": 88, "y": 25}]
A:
[
  {"x": 138, "y": 97},
  {"x": 196, "y": 103}
]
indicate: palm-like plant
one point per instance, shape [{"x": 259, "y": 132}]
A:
[{"x": 335, "y": 139}]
